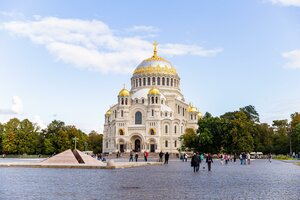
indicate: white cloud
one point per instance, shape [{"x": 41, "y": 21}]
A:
[
  {"x": 16, "y": 108},
  {"x": 92, "y": 45},
  {"x": 147, "y": 29},
  {"x": 37, "y": 120},
  {"x": 182, "y": 49},
  {"x": 286, "y": 2},
  {"x": 293, "y": 58},
  {"x": 11, "y": 14}
]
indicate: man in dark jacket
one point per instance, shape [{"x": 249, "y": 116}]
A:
[
  {"x": 195, "y": 161},
  {"x": 209, "y": 160},
  {"x": 161, "y": 154},
  {"x": 167, "y": 158}
]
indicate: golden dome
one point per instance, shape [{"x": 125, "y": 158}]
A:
[
  {"x": 153, "y": 91},
  {"x": 155, "y": 65},
  {"x": 108, "y": 113},
  {"x": 191, "y": 109},
  {"x": 124, "y": 93},
  {"x": 200, "y": 115}
]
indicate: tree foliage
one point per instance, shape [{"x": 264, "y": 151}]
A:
[
  {"x": 241, "y": 131},
  {"x": 24, "y": 137}
]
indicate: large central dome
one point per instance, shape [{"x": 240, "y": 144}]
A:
[{"x": 155, "y": 65}]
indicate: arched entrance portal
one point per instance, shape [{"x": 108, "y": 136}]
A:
[{"x": 137, "y": 145}]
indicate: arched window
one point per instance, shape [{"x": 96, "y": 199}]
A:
[
  {"x": 122, "y": 113},
  {"x": 166, "y": 129},
  {"x": 153, "y": 80},
  {"x": 115, "y": 114},
  {"x": 122, "y": 101},
  {"x": 175, "y": 143},
  {"x": 166, "y": 143},
  {"x": 126, "y": 101},
  {"x": 121, "y": 132},
  {"x": 106, "y": 144},
  {"x": 162, "y": 101},
  {"x": 171, "y": 82},
  {"x": 144, "y": 81},
  {"x": 152, "y": 111},
  {"x": 158, "y": 80},
  {"x": 178, "y": 109},
  {"x": 156, "y": 100},
  {"x": 140, "y": 82},
  {"x": 152, "y": 100},
  {"x": 167, "y": 81},
  {"x": 138, "y": 117},
  {"x": 149, "y": 80},
  {"x": 136, "y": 83},
  {"x": 175, "y": 129},
  {"x": 163, "y": 80},
  {"x": 136, "y": 101},
  {"x": 143, "y": 101}
]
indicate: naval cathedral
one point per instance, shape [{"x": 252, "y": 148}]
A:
[{"x": 153, "y": 114}]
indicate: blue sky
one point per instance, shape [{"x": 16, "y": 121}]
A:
[{"x": 67, "y": 60}]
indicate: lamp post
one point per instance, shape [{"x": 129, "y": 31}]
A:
[
  {"x": 85, "y": 146},
  {"x": 75, "y": 139}
]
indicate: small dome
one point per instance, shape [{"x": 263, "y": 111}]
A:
[
  {"x": 108, "y": 113},
  {"x": 200, "y": 115},
  {"x": 191, "y": 109},
  {"x": 124, "y": 93},
  {"x": 153, "y": 91}
]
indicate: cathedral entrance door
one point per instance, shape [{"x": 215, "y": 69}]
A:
[
  {"x": 137, "y": 145},
  {"x": 152, "y": 148},
  {"x": 122, "y": 148}
]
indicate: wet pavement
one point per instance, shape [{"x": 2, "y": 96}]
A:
[{"x": 260, "y": 180}]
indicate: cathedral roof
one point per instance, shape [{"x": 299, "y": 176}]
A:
[
  {"x": 153, "y": 91},
  {"x": 124, "y": 93},
  {"x": 155, "y": 65},
  {"x": 143, "y": 93}
]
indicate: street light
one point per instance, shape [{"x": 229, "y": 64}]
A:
[{"x": 75, "y": 139}]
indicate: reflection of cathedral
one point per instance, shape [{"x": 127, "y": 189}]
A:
[{"x": 153, "y": 114}]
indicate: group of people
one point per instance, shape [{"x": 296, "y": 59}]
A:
[
  {"x": 197, "y": 159},
  {"x": 245, "y": 158},
  {"x": 161, "y": 155}
]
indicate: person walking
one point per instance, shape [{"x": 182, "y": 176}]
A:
[
  {"x": 244, "y": 156},
  {"x": 248, "y": 158},
  {"x": 195, "y": 162},
  {"x": 146, "y": 156},
  {"x": 131, "y": 157},
  {"x": 136, "y": 157},
  {"x": 270, "y": 157},
  {"x": 234, "y": 157},
  {"x": 241, "y": 158},
  {"x": 209, "y": 160},
  {"x": 201, "y": 159},
  {"x": 167, "y": 158},
  {"x": 161, "y": 154}
]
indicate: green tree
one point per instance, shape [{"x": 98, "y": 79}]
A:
[
  {"x": 295, "y": 123},
  {"x": 1, "y": 137},
  {"x": 10, "y": 141},
  {"x": 280, "y": 137},
  {"x": 95, "y": 142},
  {"x": 189, "y": 140}
]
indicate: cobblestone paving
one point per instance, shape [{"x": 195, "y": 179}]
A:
[{"x": 260, "y": 180}]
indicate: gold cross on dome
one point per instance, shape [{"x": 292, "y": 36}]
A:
[{"x": 155, "y": 45}]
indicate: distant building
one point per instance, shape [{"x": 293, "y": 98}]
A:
[{"x": 153, "y": 114}]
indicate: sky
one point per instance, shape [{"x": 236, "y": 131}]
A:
[{"x": 68, "y": 60}]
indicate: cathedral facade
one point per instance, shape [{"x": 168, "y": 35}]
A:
[{"x": 153, "y": 114}]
